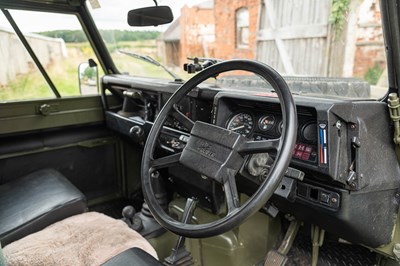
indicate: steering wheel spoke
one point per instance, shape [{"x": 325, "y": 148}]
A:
[
  {"x": 251, "y": 147},
  {"x": 231, "y": 194},
  {"x": 183, "y": 119},
  {"x": 166, "y": 161}
]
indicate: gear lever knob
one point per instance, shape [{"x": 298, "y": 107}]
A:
[{"x": 127, "y": 213}]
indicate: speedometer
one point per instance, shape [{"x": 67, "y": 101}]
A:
[{"x": 241, "y": 123}]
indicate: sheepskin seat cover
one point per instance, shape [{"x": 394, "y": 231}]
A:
[{"x": 86, "y": 239}]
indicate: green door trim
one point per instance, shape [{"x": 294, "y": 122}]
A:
[{"x": 16, "y": 117}]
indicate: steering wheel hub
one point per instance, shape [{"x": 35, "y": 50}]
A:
[{"x": 213, "y": 151}]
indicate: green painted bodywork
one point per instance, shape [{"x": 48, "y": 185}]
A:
[
  {"x": 387, "y": 250},
  {"x": 246, "y": 245},
  {"x": 25, "y": 116}
]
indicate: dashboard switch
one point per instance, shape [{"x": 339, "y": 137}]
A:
[
  {"x": 305, "y": 156},
  {"x": 325, "y": 197},
  {"x": 317, "y": 196},
  {"x": 298, "y": 154},
  {"x": 184, "y": 138},
  {"x": 294, "y": 173}
]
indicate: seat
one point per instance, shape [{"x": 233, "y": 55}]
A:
[
  {"x": 133, "y": 257},
  {"x": 90, "y": 238},
  {"x": 32, "y": 202}
]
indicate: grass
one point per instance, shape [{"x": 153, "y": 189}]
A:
[
  {"x": 63, "y": 73},
  {"x": 22, "y": 88}
]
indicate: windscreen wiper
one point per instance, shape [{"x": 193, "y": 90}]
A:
[{"x": 150, "y": 60}]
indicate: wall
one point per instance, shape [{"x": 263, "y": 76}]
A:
[
  {"x": 369, "y": 43},
  {"x": 197, "y": 33},
  {"x": 15, "y": 59},
  {"x": 293, "y": 36},
  {"x": 225, "y": 27}
]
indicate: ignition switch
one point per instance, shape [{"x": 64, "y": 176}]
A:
[{"x": 257, "y": 163}]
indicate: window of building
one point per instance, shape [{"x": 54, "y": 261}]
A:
[{"x": 242, "y": 28}]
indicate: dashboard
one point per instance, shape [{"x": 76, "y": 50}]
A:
[{"x": 344, "y": 157}]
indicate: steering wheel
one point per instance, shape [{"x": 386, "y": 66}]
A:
[{"x": 219, "y": 153}]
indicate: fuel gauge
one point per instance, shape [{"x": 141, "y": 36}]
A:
[{"x": 266, "y": 122}]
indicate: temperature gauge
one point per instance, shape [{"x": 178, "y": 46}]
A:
[{"x": 266, "y": 122}]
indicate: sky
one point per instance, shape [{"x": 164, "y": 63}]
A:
[{"x": 111, "y": 15}]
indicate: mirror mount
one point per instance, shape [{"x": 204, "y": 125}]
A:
[{"x": 92, "y": 63}]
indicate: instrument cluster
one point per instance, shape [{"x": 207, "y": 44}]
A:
[
  {"x": 258, "y": 125},
  {"x": 247, "y": 124},
  {"x": 252, "y": 125}
]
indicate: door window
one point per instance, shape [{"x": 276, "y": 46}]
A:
[{"x": 60, "y": 45}]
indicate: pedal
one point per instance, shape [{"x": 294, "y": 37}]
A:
[{"x": 274, "y": 258}]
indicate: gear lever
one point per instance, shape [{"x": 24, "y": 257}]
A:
[
  {"x": 127, "y": 213},
  {"x": 179, "y": 255},
  {"x": 131, "y": 219}
]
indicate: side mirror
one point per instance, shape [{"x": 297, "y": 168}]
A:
[
  {"x": 88, "y": 78},
  {"x": 150, "y": 16}
]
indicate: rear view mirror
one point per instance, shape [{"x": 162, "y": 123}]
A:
[{"x": 150, "y": 16}]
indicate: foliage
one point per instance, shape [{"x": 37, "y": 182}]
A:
[
  {"x": 373, "y": 74},
  {"x": 89, "y": 73},
  {"x": 113, "y": 36},
  {"x": 109, "y": 36},
  {"x": 339, "y": 11},
  {"x": 66, "y": 35}
]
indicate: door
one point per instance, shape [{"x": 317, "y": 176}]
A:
[
  {"x": 45, "y": 122},
  {"x": 293, "y": 36}
]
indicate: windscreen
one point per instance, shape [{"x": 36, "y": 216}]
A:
[{"x": 324, "y": 48}]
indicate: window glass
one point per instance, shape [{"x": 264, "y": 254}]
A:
[
  {"x": 337, "y": 45},
  {"x": 121, "y": 40},
  {"x": 61, "y": 46},
  {"x": 20, "y": 79}
]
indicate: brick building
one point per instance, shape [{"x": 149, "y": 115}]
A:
[
  {"x": 197, "y": 31},
  {"x": 236, "y": 25},
  {"x": 242, "y": 29},
  {"x": 369, "y": 48},
  {"x": 234, "y": 22}
]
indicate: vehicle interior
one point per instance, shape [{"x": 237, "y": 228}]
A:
[{"x": 241, "y": 162}]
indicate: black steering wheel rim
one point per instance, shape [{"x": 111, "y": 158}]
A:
[{"x": 269, "y": 185}]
